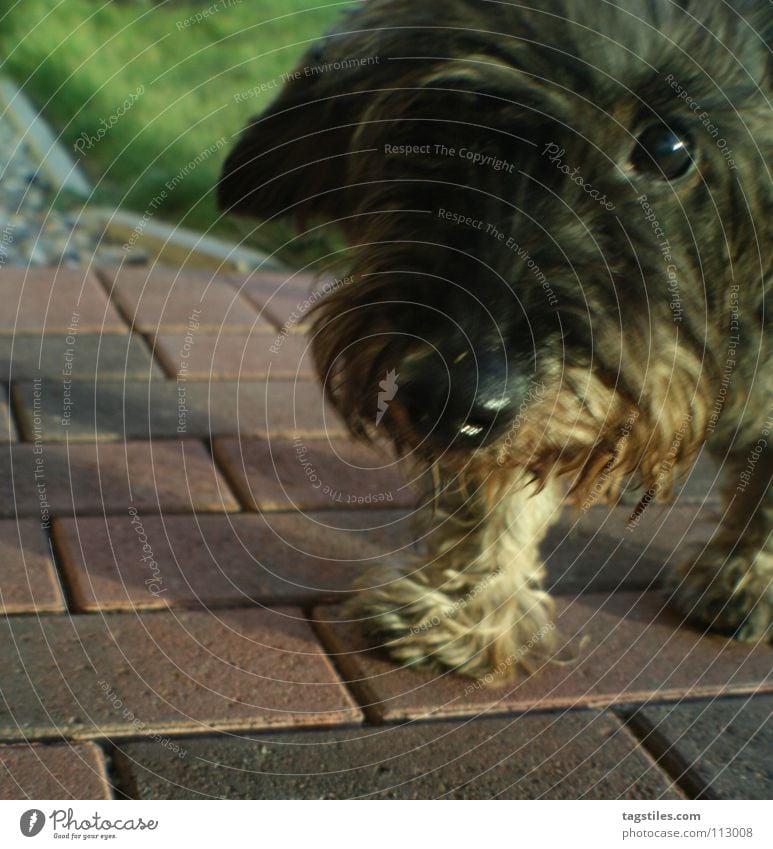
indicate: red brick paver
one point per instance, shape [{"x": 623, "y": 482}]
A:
[
  {"x": 28, "y": 579},
  {"x": 274, "y": 558},
  {"x": 309, "y": 474},
  {"x": 165, "y": 298},
  {"x": 284, "y": 299},
  {"x": 596, "y": 551},
  {"x": 37, "y": 300},
  {"x": 578, "y": 755},
  {"x": 82, "y": 356},
  {"x": 167, "y": 408},
  {"x": 246, "y": 356},
  {"x": 126, "y": 674},
  {"x": 718, "y": 748},
  {"x": 50, "y": 480},
  {"x": 75, "y": 771}
]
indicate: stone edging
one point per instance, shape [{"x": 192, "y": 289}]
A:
[
  {"x": 174, "y": 244},
  {"x": 60, "y": 169}
]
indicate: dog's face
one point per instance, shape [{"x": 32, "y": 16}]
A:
[{"x": 546, "y": 211}]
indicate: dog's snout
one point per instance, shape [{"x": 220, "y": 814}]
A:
[{"x": 464, "y": 400}]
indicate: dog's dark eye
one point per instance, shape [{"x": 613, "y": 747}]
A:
[{"x": 665, "y": 152}]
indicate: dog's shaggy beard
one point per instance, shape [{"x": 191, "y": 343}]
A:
[{"x": 579, "y": 425}]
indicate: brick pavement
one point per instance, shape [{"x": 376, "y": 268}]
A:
[{"x": 181, "y": 517}]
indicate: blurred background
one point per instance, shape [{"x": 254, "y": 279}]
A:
[{"x": 145, "y": 97}]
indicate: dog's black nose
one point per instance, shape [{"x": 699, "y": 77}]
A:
[{"x": 462, "y": 401}]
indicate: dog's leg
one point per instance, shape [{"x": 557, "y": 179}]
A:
[
  {"x": 471, "y": 598},
  {"x": 729, "y": 586}
]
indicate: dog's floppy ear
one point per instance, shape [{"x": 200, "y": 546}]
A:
[{"x": 292, "y": 158}]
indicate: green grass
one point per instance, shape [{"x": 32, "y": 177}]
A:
[{"x": 80, "y": 60}]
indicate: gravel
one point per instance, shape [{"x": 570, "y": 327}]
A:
[{"x": 34, "y": 233}]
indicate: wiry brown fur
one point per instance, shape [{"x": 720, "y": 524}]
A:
[{"x": 628, "y": 388}]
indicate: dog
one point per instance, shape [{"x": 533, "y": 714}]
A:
[{"x": 558, "y": 220}]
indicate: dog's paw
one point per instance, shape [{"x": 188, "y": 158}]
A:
[
  {"x": 729, "y": 594},
  {"x": 476, "y": 634}
]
